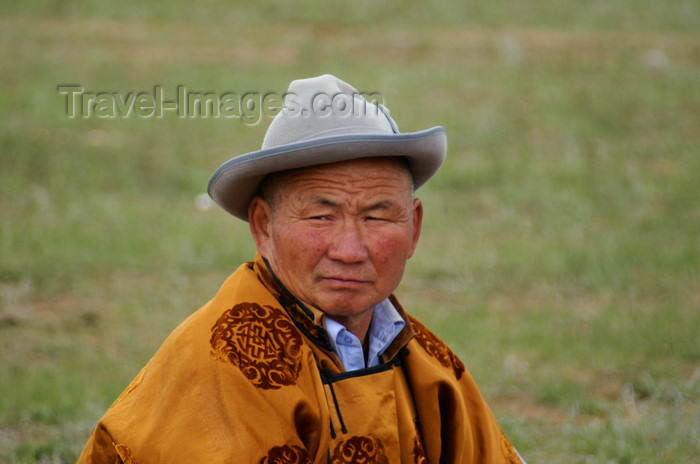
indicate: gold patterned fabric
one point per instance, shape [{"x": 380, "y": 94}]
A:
[{"x": 250, "y": 378}]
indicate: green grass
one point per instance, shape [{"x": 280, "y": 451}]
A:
[{"x": 560, "y": 251}]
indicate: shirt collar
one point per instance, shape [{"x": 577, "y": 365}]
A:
[{"x": 386, "y": 324}]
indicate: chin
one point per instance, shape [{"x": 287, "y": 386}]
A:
[{"x": 343, "y": 309}]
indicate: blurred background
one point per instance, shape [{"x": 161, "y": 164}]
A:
[{"x": 560, "y": 250}]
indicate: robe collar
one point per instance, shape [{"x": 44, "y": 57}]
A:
[{"x": 311, "y": 320}]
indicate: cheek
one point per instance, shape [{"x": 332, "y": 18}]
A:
[
  {"x": 391, "y": 250},
  {"x": 299, "y": 244}
]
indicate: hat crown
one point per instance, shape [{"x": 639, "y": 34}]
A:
[{"x": 324, "y": 106}]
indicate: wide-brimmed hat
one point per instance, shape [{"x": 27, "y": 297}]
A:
[{"x": 325, "y": 120}]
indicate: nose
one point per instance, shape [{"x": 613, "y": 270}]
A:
[{"x": 348, "y": 245}]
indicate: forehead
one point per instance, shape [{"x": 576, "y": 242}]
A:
[{"x": 359, "y": 174}]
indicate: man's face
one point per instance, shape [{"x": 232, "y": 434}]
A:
[{"x": 339, "y": 235}]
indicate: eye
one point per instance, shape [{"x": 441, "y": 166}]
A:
[{"x": 322, "y": 217}]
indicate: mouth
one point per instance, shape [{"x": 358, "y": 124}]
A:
[{"x": 345, "y": 281}]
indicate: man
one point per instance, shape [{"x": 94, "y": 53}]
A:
[{"x": 304, "y": 355}]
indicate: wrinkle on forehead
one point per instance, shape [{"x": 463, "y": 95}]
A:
[{"x": 347, "y": 178}]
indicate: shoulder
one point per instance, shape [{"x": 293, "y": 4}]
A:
[
  {"x": 261, "y": 341},
  {"x": 436, "y": 348},
  {"x": 243, "y": 328}
]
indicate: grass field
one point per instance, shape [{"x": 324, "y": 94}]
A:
[{"x": 561, "y": 248}]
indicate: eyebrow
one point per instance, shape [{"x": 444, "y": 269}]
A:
[
  {"x": 325, "y": 202},
  {"x": 378, "y": 205},
  {"x": 382, "y": 204}
]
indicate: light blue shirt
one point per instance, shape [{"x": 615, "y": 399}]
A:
[{"x": 385, "y": 326}]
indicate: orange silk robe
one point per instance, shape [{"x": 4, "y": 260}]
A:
[{"x": 251, "y": 378}]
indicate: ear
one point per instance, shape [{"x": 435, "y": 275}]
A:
[
  {"x": 260, "y": 221},
  {"x": 417, "y": 224}
]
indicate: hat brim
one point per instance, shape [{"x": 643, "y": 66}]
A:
[{"x": 236, "y": 181}]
